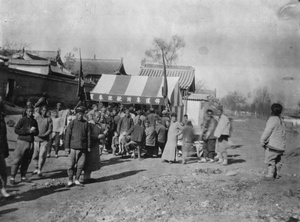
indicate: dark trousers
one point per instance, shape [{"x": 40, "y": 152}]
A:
[
  {"x": 109, "y": 140},
  {"x": 186, "y": 148},
  {"x": 22, "y": 157},
  {"x": 76, "y": 157},
  {"x": 56, "y": 142},
  {"x": 3, "y": 172},
  {"x": 209, "y": 147},
  {"x": 150, "y": 150},
  {"x": 161, "y": 146}
]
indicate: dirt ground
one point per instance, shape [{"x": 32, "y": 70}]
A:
[{"x": 149, "y": 190}]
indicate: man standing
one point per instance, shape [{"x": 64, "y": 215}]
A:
[
  {"x": 222, "y": 133},
  {"x": 124, "y": 125},
  {"x": 185, "y": 119},
  {"x": 92, "y": 162},
  {"x": 161, "y": 132},
  {"x": 151, "y": 117},
  {"x": 2, "y": 107},
  {"x": 150, "y": 134},
  {"x": 26, "y": 129},
  {"x": 43, "y": 101},
  {"x": 91, "y": 113},
  {"x": 165, "y": 119},
  {"x": 4, "y": 153},
  {"x": 209, "y": 140},
  {"x": 188, "y": 140},
  {"x": 137, "y": 137},
  {"x": 137, "y": 117},
  {"x": 77, "y": 144},
  {"x": 41, "y": 141}
]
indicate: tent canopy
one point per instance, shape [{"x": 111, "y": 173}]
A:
[{"x": 136, "y": 90}]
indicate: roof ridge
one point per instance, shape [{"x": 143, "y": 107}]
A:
[
  {"x": 33, "y": 50},
  {"x": 92, "y": 59},
  {"x": 159, "y": 66}
]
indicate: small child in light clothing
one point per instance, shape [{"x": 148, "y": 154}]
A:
[
  {"x": 56, "y": 132},
  {"x": 115, "y": 143},
  {"x": 123, "y": 142}
]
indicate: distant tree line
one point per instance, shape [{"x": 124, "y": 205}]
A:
[{"x": 260, "y": 105}]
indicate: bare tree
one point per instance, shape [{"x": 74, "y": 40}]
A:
[
  {"x": 200, "y": 85},
  {"x": 14, "y": 45},
  {"x": 69, "y": 60},
  {"x": 167, "y": 50},
  {"x": 262, "y": 101},
  {"x": 235, "y": 101},
  {"x": 11, "y": 46}
]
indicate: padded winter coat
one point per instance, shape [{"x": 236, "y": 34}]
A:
[
  {"x": 274, "y": 134},
  {"x": 223, "y": 127}
]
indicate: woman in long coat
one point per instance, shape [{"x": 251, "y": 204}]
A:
[
  {"x": 170, "y": 151},
  {"x": 92, "y": 162}
]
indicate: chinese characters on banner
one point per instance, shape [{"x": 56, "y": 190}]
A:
[{"x": 128, "y": 99}]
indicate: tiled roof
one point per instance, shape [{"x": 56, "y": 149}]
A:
[
  {"x": 99, "y": 66},
  {"x": 208, "y": 92},
  {"x": 51, "y": 55},
  {"x": 186, "y": 74},
  {"x": 29, "y": 62},
  {"x": 198, "y": 97}
]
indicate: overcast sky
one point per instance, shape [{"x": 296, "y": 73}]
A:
[{"x": 232, "y": 44}]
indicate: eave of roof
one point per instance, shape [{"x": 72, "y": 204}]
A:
[
  {"x": 186, "y": 74},
  {"x": 198, "y": 97},
  {"x": 99, "y": 66},
  {"x": 29, "y": 62},
  {"x": 43, "y": 54}
]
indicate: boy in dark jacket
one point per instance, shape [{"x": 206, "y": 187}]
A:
[
  {"x": 26, "y": 129},
  {"x": 77, "y": 143}
]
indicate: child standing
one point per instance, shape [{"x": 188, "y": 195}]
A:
[
  {"x": 115, "y": 143},
  {"x": 56, "y": 132},
  {"x": 273, "y": 140}
]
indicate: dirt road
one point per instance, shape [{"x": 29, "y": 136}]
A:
[{"x": 149, "y": 190}]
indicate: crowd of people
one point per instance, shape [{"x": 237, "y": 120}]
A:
[{"x": 86, "y": 134}]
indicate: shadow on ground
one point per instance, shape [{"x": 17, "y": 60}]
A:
[
  {"x": 234, "y": 161},
  {"x": 117, "y": 176},
  {"x": 7, "y": 211},
  {"x": 33, "y": 194},
  {"x": 236, "y": 146},
  {"x": 114, "y": 160}
]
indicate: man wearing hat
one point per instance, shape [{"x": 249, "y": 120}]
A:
[{"x": 77, "y": 144}]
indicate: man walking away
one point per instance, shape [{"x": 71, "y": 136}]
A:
[
  {"x": 41, "y": 141},
  {"x": 161, "y": 132},
  {"x": 137, "y": 137},
  {"x": 124, "y": 125},
  {"x": 152, "y": 117},
  {"x": 77, "y": 144},
  {"x": 26, "y": 129}
]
